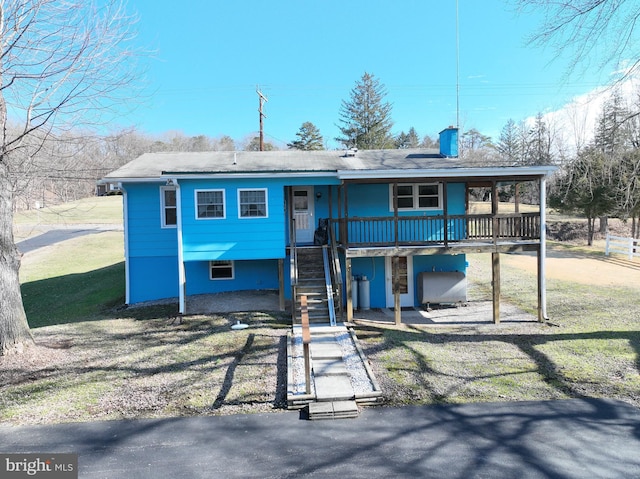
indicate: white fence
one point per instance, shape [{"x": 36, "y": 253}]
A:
[{"x": 627, "y": 246}]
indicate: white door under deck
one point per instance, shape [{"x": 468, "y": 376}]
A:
[{"x": 405, "y": 281}]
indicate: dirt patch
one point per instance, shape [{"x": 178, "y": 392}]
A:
[{"x": 582, "y": 268}]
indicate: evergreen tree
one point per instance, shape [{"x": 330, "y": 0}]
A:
[
  {"x": 613, "y": 132},
  {"x": 309, "y": 138},
  {"x": 407, "y": 140},
  {"x": 366, "y": 117},
  {"x": 585, "y": 187},
  {"x": 428, "y": 142},
  {"x": 509, "y": 145},
  {"x": 254, "y": 145},
  {"x": 539, "y": 143}
]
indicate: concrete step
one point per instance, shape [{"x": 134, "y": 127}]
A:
[
  {"x": 333, "y": 410},
  {"x": 334, "y": 388}
]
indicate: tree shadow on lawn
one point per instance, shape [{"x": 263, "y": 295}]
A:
[
  {"x": 154, "y": 365},
  {"x": 528, "y": 343},
  {"x": 74, "y": 297}
]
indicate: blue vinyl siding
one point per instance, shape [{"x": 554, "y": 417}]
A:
[
  {"x": 233, "y": 238},
  {"x": 146, "y": 237},
  {"x": 248, "y": 275},
  {"x": 152, "y": 277},
  {"x": 374, "y": 200},
  {"x": 373, "y": 269}
]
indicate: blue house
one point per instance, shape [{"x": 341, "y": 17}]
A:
[{"x": 393, "y": 225}]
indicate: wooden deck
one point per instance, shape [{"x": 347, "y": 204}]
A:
[{"x": 443, "y": 234}]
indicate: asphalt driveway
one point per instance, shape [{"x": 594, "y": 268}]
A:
[{"x": 578, "y": 438}]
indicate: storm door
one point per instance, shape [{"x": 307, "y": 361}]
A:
[{"x": 303, "y": 210}]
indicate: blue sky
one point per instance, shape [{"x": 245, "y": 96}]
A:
[{"x": 307, "y": 56}]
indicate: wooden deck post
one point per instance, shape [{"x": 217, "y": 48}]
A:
[
  {"x": 397, "y": 309},
  {"x": 281, "y": 302},
  {"x": 348, "y": 275},
  {"x": 541, "y": 317},
  {"x": 395, "y": 213},
  {"x": 495, "y": 285},
  {"x": 306, "y": 340}
]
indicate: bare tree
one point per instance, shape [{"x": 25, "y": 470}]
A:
[
  {"x": 595, "y": 33},
  {"x": 63, "y": 63}
]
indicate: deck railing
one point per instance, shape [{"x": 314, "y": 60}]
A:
[{"x": 425, "y": 230}]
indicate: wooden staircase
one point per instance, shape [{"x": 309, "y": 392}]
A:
[{"x": 311, "y": 283}]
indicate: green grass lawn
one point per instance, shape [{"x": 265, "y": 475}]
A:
[
  {"x": 95, "y": 210},
  {"x": 590, "y": 348},
  {"x": 76, "y": 280}
]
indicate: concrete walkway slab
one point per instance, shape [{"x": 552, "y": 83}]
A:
[
  {"x": 325, "y": 350},
  {"x": 329, "y": 367},
  {"x": 333, "y": 388}
]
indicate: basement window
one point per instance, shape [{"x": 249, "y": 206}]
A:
[{"x": 221, "y": 270}]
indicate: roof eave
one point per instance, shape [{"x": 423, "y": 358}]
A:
[{"x": 489, "y": 172}]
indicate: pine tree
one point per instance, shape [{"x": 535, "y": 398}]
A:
[
  {"x": 407, "y": 140},
  {"x": 613, "y": 132},
  {"x": 366, "y": 117},
  {"x": 309, "y": 138},
  {"x": 539, "y": 143},
  {"x": 509, "y": 145}
]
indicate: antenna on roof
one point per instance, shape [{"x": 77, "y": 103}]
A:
[
  {"x": 261, "y": 99},
  {"x": 457, "y": 78}
]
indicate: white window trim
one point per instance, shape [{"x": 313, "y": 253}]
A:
[
  {"x": 163, "y": 207},
  {"x": 224, "y": 203},
  {"x": 233, "y": 271},
  {"x": 266, "y": 204},
  {"x": 416, "y": 197}
]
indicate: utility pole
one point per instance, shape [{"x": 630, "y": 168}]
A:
[{"x": 261, "y": 99}]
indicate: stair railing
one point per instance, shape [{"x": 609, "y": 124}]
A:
[
  {"x": 327, "y": 280},
  {"x": 293, "y": 270},
  {"x": 336, "y": 271}
]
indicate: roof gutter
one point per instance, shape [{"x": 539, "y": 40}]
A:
[
  {"x": 225, "y": 175},
  {"x": 542, "y": 171},
  {"x": 495, "y": 172}
]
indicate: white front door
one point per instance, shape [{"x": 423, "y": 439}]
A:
[
  {"x": 405, "y": 279},
  {"x": 303, "y": 210}
]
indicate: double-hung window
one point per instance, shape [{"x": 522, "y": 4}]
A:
[
  {"x": 252, "y": 203},
  {"x": 168, "y": 207},
  {"x": 417, "y": 196},
  {"x": 210, "y": 204}
]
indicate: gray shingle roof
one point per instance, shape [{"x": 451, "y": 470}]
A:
[
  {"x": 158, "y": 165},
  {"x": 153, "y": 165}
]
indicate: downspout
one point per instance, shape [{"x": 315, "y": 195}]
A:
[
  {"x": 181, "y": 273},
  {"x": 125, "y": 220},
  {"x": 543, "y": 247}
]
